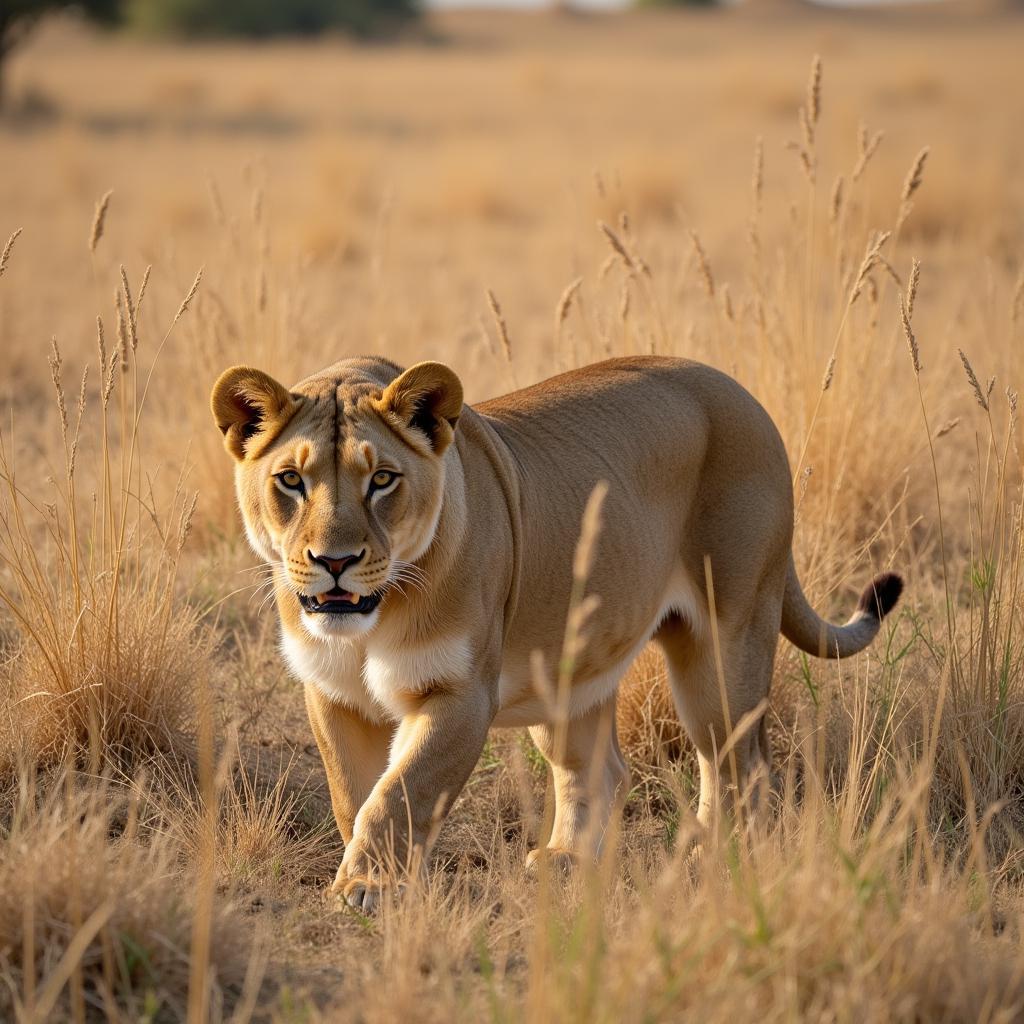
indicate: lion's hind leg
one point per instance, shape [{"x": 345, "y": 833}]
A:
[
  {"x": 718, "y": 692},
  {"x": 591, "y": 781}
]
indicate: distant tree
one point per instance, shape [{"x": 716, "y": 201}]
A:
[
  {"x": 19, "y": 17},
  {"x": 210, "y": 17},
  {"x": 260, "y": 18}
]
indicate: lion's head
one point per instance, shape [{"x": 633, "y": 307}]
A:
[{"x": 340, "y": 480}]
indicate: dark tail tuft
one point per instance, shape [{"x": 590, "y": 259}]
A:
[{"x": 881, "y": 595}]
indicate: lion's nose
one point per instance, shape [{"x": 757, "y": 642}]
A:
[{"x": 336, "y": 564}]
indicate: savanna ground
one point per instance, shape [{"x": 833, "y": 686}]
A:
[{"x": 165, "y": 834}]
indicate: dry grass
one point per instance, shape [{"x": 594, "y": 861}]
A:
[
  {"x": 165, "y": 833},
  {"x": 107, "y": 656},
  {"x": 270, "y": 832},
  {"x": 94, "y": 921}
]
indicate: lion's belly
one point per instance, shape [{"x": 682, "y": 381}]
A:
[
  {"x": 521, "y": 705},
  {"x": 519, "y": 702}
]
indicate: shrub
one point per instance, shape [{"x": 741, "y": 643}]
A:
[{"x": 261, "y": 18}]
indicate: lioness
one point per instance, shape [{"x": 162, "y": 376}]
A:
[{"x": 422, "y": 552}]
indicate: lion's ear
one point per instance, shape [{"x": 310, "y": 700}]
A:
[
  {"x": 244, "y": 403},
  {"x": 428, "y": 398}
]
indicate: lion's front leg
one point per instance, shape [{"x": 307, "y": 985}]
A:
[
  {"x": 354, "y": 752},
  {"x": 438, "y": 742}
]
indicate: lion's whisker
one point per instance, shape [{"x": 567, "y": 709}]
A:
[{"x": 400, "y": 577}]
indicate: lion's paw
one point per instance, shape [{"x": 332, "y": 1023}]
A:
[
  {"x": 360, "y": 894},
  {"x": 562, "y": 861}
]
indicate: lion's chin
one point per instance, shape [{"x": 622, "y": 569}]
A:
[{"x": 334, "y": 627}]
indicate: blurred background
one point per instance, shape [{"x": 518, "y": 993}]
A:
[
  {"x": 357, "y": 177},
  {"x": 428, "y": 182}
]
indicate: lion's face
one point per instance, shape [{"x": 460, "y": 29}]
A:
[{"x": 340, "y": 481}]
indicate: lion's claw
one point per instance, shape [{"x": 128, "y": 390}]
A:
[{"x": 362, "y": 895}]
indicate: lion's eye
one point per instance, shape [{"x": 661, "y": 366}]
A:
[
  {"x": 291, "y": 480},
  {"x": 381, "y": 479}
]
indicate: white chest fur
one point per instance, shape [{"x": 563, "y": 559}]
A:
[
  {"x": 335, "y": 667},
  {"x": 369, "y": 678},
  {"x": 390, "y": 670}
]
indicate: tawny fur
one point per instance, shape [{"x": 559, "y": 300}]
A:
[{"x": 473, "y": 547}]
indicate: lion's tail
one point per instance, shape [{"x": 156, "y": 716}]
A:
[{"x": 802, "y": 625}]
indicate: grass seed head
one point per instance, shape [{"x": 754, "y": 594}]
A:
[
  {"x": 703, "y": 265},
  {"x": 617, "y": 245},
  {"x": 727, "y": 306},
  {"x": 814, "y": 91},
  {"x": 908, "y": 331},
  {"x": 188, "y": 298},
  {"x": 826, "y": 381},
  {"x": 590, "y": 529},
  {"x": 101, "y": 346},
  {"x": 133, "y": 334},
  {"x": 142, "y": 287},
  {"x": 915, "y": 176},
  {"x": 867, "y": 148},
  {"x": 981, "y": 397},
  {"x": 871, "y": 257},
  {"x": 835, "y": 206},
  {"x": 499, "y": 321},
  {"x": 915, "y": 274},
  {"x": 56, "y": 376},
  {"x": 566, "y": 299},
  {"x": 6, "y": 254},
  {"x": 757, "y": 177},
  {"x": 98, "y": 220}
]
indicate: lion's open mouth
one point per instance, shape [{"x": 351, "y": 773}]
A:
[{"x": 339, "y": 602}]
